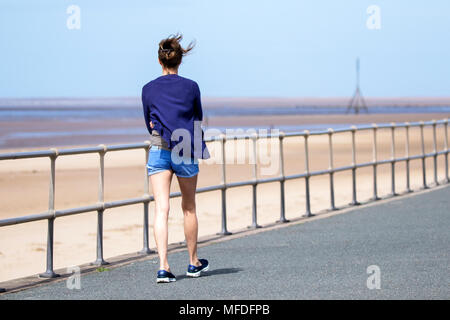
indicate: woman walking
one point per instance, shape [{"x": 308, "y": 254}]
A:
[{"x": 170, "y": 103}]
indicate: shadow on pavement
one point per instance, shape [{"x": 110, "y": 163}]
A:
[{"x": 213, "y": 273}]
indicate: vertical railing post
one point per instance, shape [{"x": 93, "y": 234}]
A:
[
  {"x": 254, "y": 224},
  {"x": 331, "y": 168},
  {"x": 49, "y": 273},
  {"x": 101, "y": 200},
  {"x": 224, "y": 231},
  {"x": 146, "y": 249},
  {"x": 282, "y": 180},
  {"x": 307, "y": 195},
  {"x": 374, "y": 161},
  {"x": 422, "y": 139},
  {"x": 393, "y": 159},
  {"x": 447, "y": 178},
  {"x": 435, "y": 154},
  {"x": 354, "y": 200},
  {"x": 408, "y": 183}
]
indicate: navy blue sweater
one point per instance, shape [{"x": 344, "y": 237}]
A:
[{"x": 172, "y": 102}]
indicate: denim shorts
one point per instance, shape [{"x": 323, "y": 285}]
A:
[{"x": 161, "y": 159}]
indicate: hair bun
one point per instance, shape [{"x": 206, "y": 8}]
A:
[
  {"x": 167, "y": 52},
  {"x": 170, "y": 51}
]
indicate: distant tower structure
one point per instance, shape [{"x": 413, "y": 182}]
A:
[{"x": 357, "y": 102}]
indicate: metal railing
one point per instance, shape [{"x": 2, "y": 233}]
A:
[{"x": 101, "y": 205}]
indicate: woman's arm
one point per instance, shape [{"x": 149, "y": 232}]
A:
[
  {"x": 198, "y": 112},
  {"x": 146, "y": 109}
]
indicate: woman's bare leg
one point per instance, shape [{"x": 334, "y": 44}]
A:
[
  {"x": 161, "y": 190},
  {"x": 187, "y": 188}
]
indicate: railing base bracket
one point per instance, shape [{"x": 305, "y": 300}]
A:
[
  {"x": 49, "y": 275},
  {"x": 146, "y": 251},
  {"x": 226, "y": 233},
  {"x": 307, "y": 215},
  {"x": 99, "y": 263},
  {"x": 393, "y": 194}
]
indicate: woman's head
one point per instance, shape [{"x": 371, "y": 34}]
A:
[{"x": 170, "y": 52}]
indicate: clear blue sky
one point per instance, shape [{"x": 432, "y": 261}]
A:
[{"x": 274, "y": 48}]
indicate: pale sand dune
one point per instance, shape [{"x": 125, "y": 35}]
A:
[{"x": 24, "y": 190}]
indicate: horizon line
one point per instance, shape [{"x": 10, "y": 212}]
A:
[{"x": 218, "y": 101}]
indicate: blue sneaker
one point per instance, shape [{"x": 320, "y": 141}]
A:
[
  {"x": 194, "y": 271},
  {"x": 165, "y": 277}
]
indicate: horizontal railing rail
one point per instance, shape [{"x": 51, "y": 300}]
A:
[{"x": 51, "y": 214}]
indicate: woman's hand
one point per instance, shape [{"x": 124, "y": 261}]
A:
[{"x": 151, "y": 124}]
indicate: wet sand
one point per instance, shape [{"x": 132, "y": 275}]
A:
[
  {"x": 24, "y": 190},
  {"x": 35, "y": 134}
]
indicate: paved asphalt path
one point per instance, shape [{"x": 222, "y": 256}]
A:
[{"x": 407, "y": 238}]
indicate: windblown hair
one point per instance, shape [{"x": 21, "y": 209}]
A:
[{"x": 171, "y": 53}]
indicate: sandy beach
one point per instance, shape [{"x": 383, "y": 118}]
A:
[{"x": 24, "y": 190}]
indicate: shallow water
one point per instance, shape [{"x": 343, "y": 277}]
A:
[
  {"x": 85, "y": 114},
  {"x": 22, "y": 127}
]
